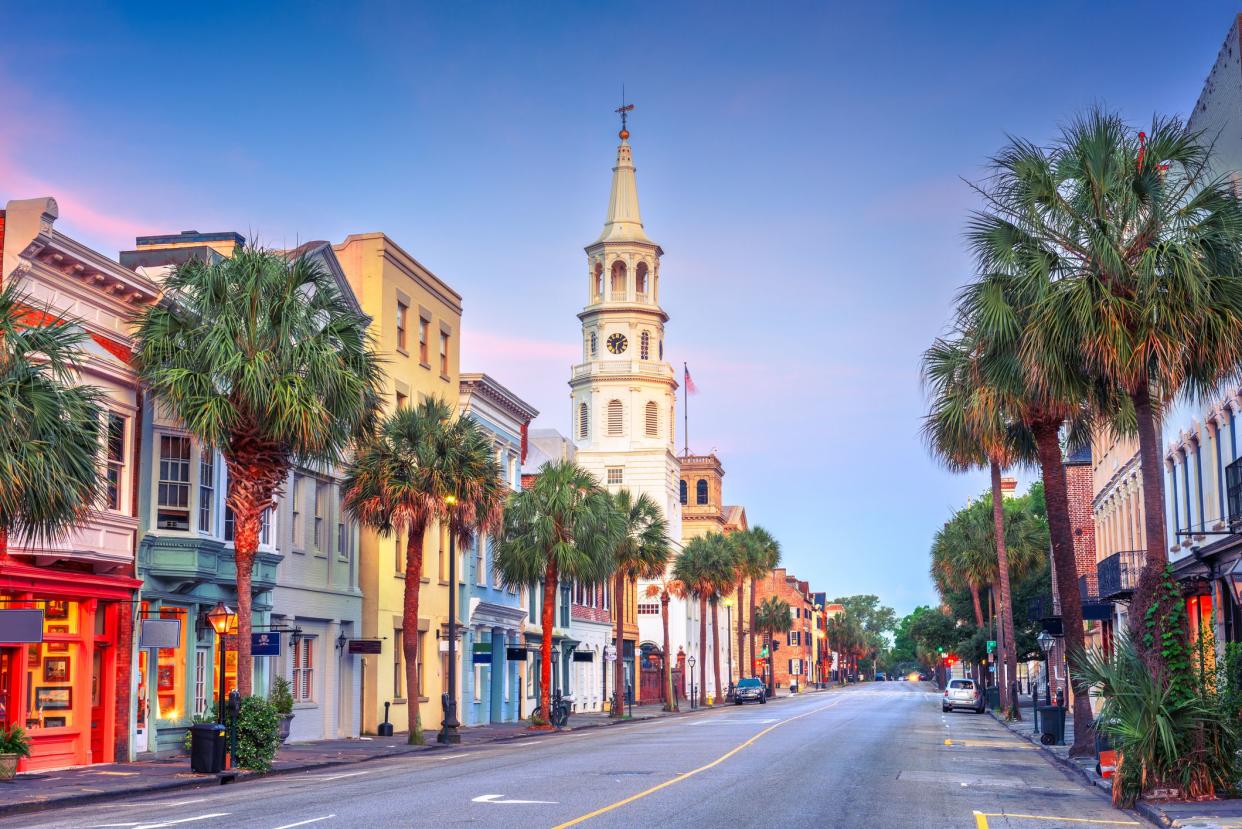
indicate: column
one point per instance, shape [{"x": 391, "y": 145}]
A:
[{"x": 497, "y": 674}]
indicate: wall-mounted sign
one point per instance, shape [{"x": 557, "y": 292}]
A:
[
  {"x": 480, "y": 658},
  {"x": 21, "y": 626},
  {"x": 265, "y": 644},
  {"x": 584, "y": 656},
  {"x": 517, "y": 654},
  {"x": 365, "y": 646},
  {"x": 159, "y": 633}
]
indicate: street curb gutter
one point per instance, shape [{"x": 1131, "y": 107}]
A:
[{"x": 86, "y": 798}]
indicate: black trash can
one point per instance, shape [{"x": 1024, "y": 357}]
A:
[
  {"x": 993, "y": 697},
  {"x": 1051, "y": 725},
  {"x": 207, "y": 744}
]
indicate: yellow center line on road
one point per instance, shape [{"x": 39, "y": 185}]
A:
[
  {"x": 981, "y": 819},
  {"x": 679, "y": 778}
]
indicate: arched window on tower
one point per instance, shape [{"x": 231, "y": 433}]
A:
[
  {"x": 617, "y": 288},
  {"x": 653, "y": 419},
  {"x": 644, "y": 346},
  {"x": 594, "y": 344},
  {"x": 616, "y": 418},
  {"x": 685, "y": 494},
  {"x": 700, "y": 491},
  {"x": 584, "y": 421},
  {"x": 597, "y": 283},
  {"x": 640, "y": 278}
]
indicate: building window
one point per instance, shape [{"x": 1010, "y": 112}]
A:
[
  {"x": 584, "y": 421},
  {"x": 116, "y": 459},
  {"x": 648, "y": 609},
  {"x": 173, "y": 499},
  {"x": 617, "y": 288},
  {"x": 398, "y": 553},
  {"x": 480, "y": 560},
  {"x": 206, "y": 489},
  {"x": 398, "y": 673},
  {"x": 640, "y": 280},
  {"x": 444, "y": 353},
  {"x": 424, "y": 325},
  {"x": 644, "y": 346},
  {"x": 685, "y": 496},
  {"x": 653, "y": 419},
  {"x": 304, "y": 670},
  {"x": 265, "y": 526},
  {"x": 594, "y": 344},
  {"x": 700, "y": 491},
  {"x": 402, "y": 400},
  {"x": 200, "y": 681},
  {"x": 321, "y": 506},
  {"x": 615, "y": 475},
  {"x": 421, "y": 665},
  {"x": 299, "y": 528},
  {"x": 616, "y": 418},
  {"x": 402, "y": 311}
]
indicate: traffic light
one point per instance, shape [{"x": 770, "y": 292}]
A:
[
  {"x": 776, "y": 645},
  {"x": 764, "y": 653}
]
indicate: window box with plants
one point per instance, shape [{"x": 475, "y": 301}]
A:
[{"x": 14, "y": 745}]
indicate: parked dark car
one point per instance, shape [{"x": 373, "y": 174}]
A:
[
  {"x": 750, "y": 689},
  {"x": 963, "y": 693}
]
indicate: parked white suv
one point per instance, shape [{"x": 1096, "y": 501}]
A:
[{"x": 962, "y": 693}]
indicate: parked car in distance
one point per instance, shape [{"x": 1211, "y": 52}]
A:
[
  {"x": 963, "y": 693},
  {"x": 880, "y": 676},
  {"x": 750, "y": 689}
]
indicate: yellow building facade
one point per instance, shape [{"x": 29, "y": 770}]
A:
[{"x": 416, "y": 325}]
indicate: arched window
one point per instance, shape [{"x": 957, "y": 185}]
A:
[
  {"x": 640, "y": 278},
  {"x": 594, "y": 344},
  {"x": 617, "y": 289},
  {"x": 597, "y": 284},
  {"x": 700, "y": 491},
  {"x": 653, "y": 420},
  {"x": 584, "y": 420},
  {"x": 685, "y": 494},
  {"x": 616, "y": 420},
  {"x": 661, "y": 348},
  {"x": 644, "y": 346}
]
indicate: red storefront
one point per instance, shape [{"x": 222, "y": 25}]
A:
[{"x": 70, "y": 693}]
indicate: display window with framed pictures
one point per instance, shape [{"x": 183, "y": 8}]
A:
[{"x": 169, "y": 676}]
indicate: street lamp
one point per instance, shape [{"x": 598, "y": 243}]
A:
[
  {"x": 222, "y": 619},
  {"x": 690, "y": 662},
  {"x": 1046, "y": 640},
  {"x": 728, "y": 603},
  {"x": 448, "y": 727}
]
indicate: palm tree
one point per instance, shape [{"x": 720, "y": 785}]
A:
[
  {"x": 425, "y": 466},
  {"x": 642, "y": 552},
  {"x": 564, "y": 525},
  {"x": 764, "y": 552},
  {"x": 1141, "y": 243},
  {"x": 724, "y": 577},
  {"x": 773, "y": 615},
  {"x": 263, "y": 359},
  {"x": 668, "y": 586},
  {"x": 699, "y": 567},
  {"x": 49, "y": 446}
]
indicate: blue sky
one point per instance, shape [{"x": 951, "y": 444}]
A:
[{"x": 801, "y": 164}]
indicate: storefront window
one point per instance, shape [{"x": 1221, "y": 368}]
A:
[
  {"x": 52, "y": 701},
  {"x": 170, "y": 671}
]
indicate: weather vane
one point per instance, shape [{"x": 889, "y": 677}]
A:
[{"x": 624, "y": 110}]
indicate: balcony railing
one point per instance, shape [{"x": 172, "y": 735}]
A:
[
  {"x": 1119, "y": 573},
  {"x": 605, "y": 368}
]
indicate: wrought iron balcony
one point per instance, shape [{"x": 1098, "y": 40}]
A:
[{"x": 1119, "y": 573}]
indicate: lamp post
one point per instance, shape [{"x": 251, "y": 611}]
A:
[
  {"x": 728, "y": 603},
  {"x": 448, "y": 727},
  {"x": 221, "y": 618},
  {"x": 1046, "y": 640},
  {"x": 690, "y": 662}
]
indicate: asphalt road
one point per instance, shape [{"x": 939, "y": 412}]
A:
[{"x": 879, "y": 755}]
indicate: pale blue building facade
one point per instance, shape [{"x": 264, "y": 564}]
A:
[{"x": 492, "y": 616}]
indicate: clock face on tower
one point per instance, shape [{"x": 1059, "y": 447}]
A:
[{"x": 617, "y": 343}]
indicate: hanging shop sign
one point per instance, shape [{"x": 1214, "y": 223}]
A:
[{"x": 21, "y": 626}]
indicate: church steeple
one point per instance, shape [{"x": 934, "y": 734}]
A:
[{"x": 623, "y": 222}]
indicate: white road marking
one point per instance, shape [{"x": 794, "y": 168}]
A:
[
  {"x": 161, "y": 803},
  {"x": 495, "y": 798},
  {"x": 342, "y": 776},
  {"x": 304, "y": 822},
  {"x": 452, "y": 756},
  {"x": 178, "y": 822}
]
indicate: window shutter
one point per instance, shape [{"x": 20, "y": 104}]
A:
[
  {"x": 583, "y": 420},
  {"x": 616, "y": 422},
  {"x": 653, "y": 419}
]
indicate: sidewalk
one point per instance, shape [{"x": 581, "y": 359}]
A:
[
  {"x": 44, "y": 790},
  {"x": 1213, "y": 814}
]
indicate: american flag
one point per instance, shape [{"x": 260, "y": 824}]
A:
[{"x": 690, "y": 387}]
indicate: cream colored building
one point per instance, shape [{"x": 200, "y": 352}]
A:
[{"x": 416, "y": 323}]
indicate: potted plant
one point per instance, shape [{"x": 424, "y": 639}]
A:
[
  {"x": 281, "y": 699},
  {"x": 13, "y": 745}
]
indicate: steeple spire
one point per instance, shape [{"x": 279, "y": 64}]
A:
[{"x": 623, "y": 222}]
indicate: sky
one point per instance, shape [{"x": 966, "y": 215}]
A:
[{"x": 804, "y": 167}]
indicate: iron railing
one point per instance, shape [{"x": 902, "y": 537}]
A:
[{"x": 1118, "y": 574}]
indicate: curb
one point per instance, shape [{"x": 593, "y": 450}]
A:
[{"x": 227, "y": 778}]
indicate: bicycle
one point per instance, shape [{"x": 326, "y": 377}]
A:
[{"x": 560, "y": 710}]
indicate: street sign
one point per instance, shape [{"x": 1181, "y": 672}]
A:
[
  {"x": 991, "y": 645},
  {"x": 610, "y": 653}
]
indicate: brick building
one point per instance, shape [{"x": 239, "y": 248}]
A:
[{"x": 793, "y": 654}]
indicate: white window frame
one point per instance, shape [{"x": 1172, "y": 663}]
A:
[
  {"x": 303, "y": 681},
  {"x": 614, "y": 475},
  {"x": 200, "y": 680},
  {"x": 206, "y": 491},
  {"x": 169, "y": 484},
  {"x": 116, "y": 467}
]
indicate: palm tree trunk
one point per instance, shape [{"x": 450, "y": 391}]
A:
[
  {"x": 547, "y": 618},
  {"x": 409, "y": 631},
  {"x": 974, "y": 597},
  {"x": 740, "y": 653},
  {"x": 1048, "y": 443},
  {"x": 245, "y": 544},
  {"x": 753, "y": 633},
  {"x": 1147, "y": 592},
  {"x": 1009, "y": 653},
  {"x": 670, "y": 697},
  {"x": 702, "y": 646},
  {"x": 618, "y": 705},
  {"x": 719, "y": 695}
]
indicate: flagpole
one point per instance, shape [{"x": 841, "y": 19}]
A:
[{"x": 685, "y": 409}]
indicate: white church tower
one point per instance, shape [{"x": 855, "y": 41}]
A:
[{"x": 624, "y": 392}]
